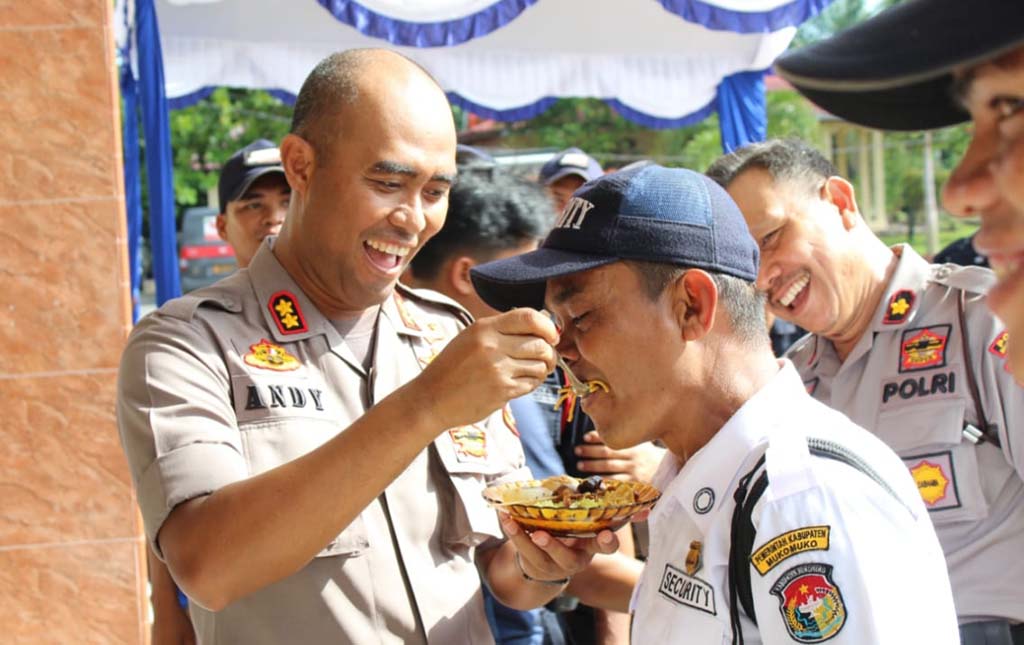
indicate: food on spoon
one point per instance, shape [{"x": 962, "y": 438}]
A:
[{"x": 567, "y": 395}]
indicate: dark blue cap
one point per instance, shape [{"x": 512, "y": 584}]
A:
[
  {"x": 571, "y": 161},
  {"x": 261, "y": 157},
  {"x": 643, "y": 212}
]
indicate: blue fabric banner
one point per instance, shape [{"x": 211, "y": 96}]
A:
[
  {"x": 159, "y": 160},
  {"x": 132, "y": 183},
  {"x": 742, "y": 110}
]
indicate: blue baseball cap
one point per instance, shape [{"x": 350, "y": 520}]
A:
[
  {"x": 642, "y": 212},
  {"x": 571, "y": 161}
]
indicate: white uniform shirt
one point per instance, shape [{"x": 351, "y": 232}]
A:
[
  {"x": 906, "y": 381},
  {"x": 836, "y": 557}
]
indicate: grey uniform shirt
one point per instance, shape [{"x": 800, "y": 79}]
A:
[
  {"x": 246, "y": 375},
  {"x": 906, "y": 380}
]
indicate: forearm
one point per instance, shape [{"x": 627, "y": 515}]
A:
[
  {"x": 254, "y": 532},
  {"x": 507, "y": 583},
  {"x": 608, "y": 582}
]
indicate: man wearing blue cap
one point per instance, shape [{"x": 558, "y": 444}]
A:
[
  {"x": 567, "y": 171},
  {"x": 780, "y": 519}
]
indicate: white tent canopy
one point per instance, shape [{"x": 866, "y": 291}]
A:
[{"x": 635, "y": 52}]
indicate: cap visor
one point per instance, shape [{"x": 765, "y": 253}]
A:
[
  {"x": 567, "y": 172},
  {"x": 251, "y": 177},
  {"x": 521, "y": 281}
]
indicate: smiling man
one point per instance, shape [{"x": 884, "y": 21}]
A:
[
  {"x": 308, "y": 440},
  {"x": 904, "y": 348},
  {"x": 780, "y": 520}
]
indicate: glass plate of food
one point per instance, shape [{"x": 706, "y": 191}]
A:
[{"x": 569, "y": 507}]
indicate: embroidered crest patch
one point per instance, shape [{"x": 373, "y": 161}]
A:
[
  {"x": 936, "y": 480},
  {"x": 811, "y": 604},
  {"x": 923, "y": 348},
  {"x": 687, "y": 590},
  {"x": 998, "y": 346},
  {"x": 781, "y": 547},
  {"x": 899, "y": 307},
  {"x": 470, "y": 443},
  {"x": 268, "y": 356},
  {"x": 284, "y": 307}
]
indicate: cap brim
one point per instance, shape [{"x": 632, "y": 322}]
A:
[
  {"x": 895, "y": 71},
  {"x": 250, "y": 178},
  {"x": 567, "y": 172},
  {"x": 521, "y": 281}
]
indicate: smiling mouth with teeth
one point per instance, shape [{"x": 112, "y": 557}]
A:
[
  {"x": 791, "y": 293},
  {"x": 385, "y": 254}
]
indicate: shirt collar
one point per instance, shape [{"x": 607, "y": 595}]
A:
[{"x": 731, "y": 452}]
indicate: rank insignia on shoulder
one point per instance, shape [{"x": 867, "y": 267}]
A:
[
  {"x": 899, "y": 307},
  {"x": 509, "y": 419},
  {"x": 998, "y": 346},
  {"x": 470, "y": 443},
  {"x": 403, "y": 312},
  {"x": 810, "y": 601},
  {"x": 268, "y": 356},
  {"x": 284, "y": 308},
  {"x": 781, "y": 547},
  {"x": 924, "y": 348}
]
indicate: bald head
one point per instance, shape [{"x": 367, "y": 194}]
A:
[{"x": 356, "y": 78}]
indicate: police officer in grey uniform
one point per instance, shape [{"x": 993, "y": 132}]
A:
[
  {"x": 308, "y": 441},
  {"x": 904, "y": 348}
]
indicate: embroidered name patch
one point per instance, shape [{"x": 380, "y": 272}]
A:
[
  {"x": 284, "y": 308},
  {"x": 936, "y": 480},
  {"x": 811, "y": 604},
  {"x": 687, "y": 590},
  {"x": 781, "y": 547},
  {"x": 924, "y": 348},
  {"x": 268, "y": 356},
  {"x": 899, "y": 307}
]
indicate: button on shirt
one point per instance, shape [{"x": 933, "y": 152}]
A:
[
  {"x": 836, "y": 556},
  {"x": 906, "y": 381},
  {"x": 236, "y": 379}
]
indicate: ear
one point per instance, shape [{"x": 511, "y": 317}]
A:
[
  {"x": 299, "y": 161},
  {"x": 694, "y": 304},
  {"x": 222, "y": 225},
  {"x": 840, "y": 193},
  {"x": 457, "y": 275}
]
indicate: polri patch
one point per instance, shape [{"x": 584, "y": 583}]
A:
[
  {"x": 284, "y": 308},
  {"x": 810, "y": 601},
  {"x": 470, "y": 443},
  {"x": 924, "y": 348},
  {"x": 936, "y": 479},
  {"x": 781, "y": 547},
  {"x": 687, "y": 590},
  {"x": 899, "y": 307},
  {"x": 268, "y": 356}
]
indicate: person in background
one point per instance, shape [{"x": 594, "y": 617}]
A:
[
  {"x": 961, "y": 252},
  {"x": 254, "y": 196},
  {"x": 310, "y": 441},
  {"x": 780, "y": 521},
  {"x": 492, "y": 214},
  {"x": 565, "y": 172},
  {"x": 907, "y": 350}
]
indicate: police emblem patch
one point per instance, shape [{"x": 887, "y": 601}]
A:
[
  {"x": 470, "y": 443},
  {"x": 781, "y": 547},
  {"x": 934, "y": 475},
  {"x": 284, "y": 308},
  {"x": 810, "y": 601},
  {"x": 924, "y": 348},
  {"x": 899, "y": 307},
  {"x": 268, "y": 356}
]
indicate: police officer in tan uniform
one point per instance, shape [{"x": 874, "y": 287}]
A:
[
  {"x": 308, "y": 441},
  {"x": 904, "y": 348}
]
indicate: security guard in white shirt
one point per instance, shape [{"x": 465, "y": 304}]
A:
[
  {"x": 909, "y": 351},
  {"x": 781, "y": 521}
]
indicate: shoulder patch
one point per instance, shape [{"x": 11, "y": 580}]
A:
[
  {"x": 998, "y": 345},
  {"x": 284, "y": 309},
  {"x": 784, "y": 546},
  {"x": 924, "y": 348},
  {"x": 899, "y": 307},
  {"x": 810, "y": 601}
]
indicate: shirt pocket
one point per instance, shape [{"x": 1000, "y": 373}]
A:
[
  {"x": 929, "y": 439},
  {"x": 269, "y": 443},
  {"x": 466, "y": 455}
]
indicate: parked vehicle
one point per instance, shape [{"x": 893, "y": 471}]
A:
[{"x": 203, "y": 257}]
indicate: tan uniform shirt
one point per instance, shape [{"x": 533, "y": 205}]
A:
[
  {"x": 906, "y": 380},
  {"x": 246, "y": 375}
]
